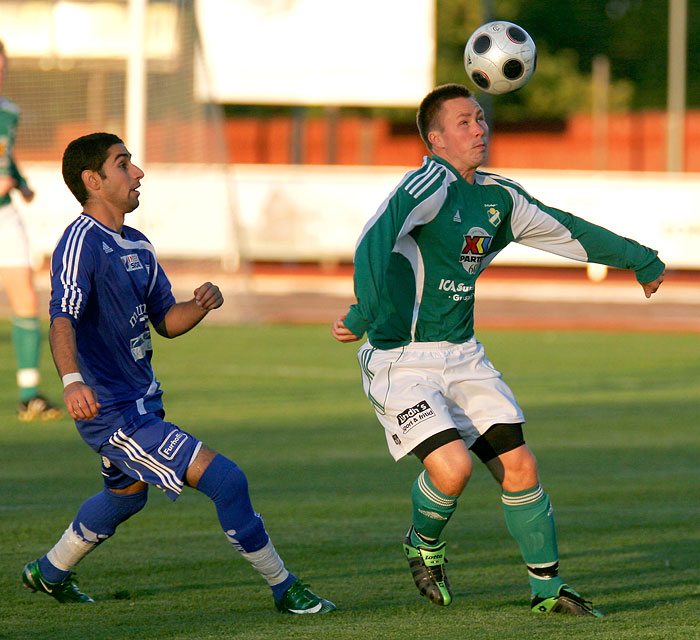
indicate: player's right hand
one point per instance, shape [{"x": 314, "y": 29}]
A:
[
  {"x": 81, "y": 401},
  {"x": 340, "y": 332}
]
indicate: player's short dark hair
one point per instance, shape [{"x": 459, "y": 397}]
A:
[
  {"x": 86, "y": 153},
  {"x": 429, "y": 109}
]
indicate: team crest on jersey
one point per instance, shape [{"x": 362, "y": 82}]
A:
[
  {"x": 476, "y": 244},
  {"x": 494, "y": 216},
  {"x": 132, "y": 262}
]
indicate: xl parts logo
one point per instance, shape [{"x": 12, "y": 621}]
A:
[{"x": 476, "y": 244}]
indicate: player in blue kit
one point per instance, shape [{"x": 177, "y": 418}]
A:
[{"x": 107, "y": 288}]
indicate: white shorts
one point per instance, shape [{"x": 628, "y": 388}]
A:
[
  {"x": 14, "y": 245},
  {"x": 424, "y": 388}
]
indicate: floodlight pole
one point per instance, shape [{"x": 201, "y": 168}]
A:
[
  {"x": 677, "y": 54},
  {"x": 136, "y": 82}
]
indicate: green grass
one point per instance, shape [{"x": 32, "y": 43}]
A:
[{"x": 612, "y": 418}]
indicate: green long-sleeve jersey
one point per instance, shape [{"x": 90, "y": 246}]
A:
[
  {"x": 9, "y": 118},
  {"x": 418, "y": 258}
]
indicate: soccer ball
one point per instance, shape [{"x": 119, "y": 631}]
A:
[{"x": 500, "y": 57}]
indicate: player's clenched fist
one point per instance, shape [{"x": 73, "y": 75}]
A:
[
  {"x": 80, "y": 401},
  {"x": 341, "y": 332},
  {"x": 653, "y": 286},
  {"x": 208, "y": 296}
]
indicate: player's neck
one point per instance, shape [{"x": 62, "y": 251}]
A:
[{"x": 110, "y": 217}]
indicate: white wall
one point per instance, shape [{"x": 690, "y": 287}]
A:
[{"x": 288, "y": 213}]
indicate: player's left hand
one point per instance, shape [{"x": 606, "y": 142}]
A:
[
  {"x": 653, "y": 286},
  {"x": 208, "y": 297}
]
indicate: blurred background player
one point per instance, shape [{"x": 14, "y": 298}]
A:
[
  {"x": 433, "y": 389},
  {"x": 107, "y": 287},
  {"x": 15, "y": 269}
]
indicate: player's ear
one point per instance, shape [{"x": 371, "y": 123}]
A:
[
  {"x": 91, "y": 179},
  {"x": 435, "y": 139}
]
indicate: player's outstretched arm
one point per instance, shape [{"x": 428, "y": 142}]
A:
[
  {"x": 80, "y": 399},
  {"x": 653, "y": 286},
  {"x": 183, "y": 316},
  {"x": 340, "y": 332}
]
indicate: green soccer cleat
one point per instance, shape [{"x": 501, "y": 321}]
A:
[
  {"x": 427, "y": 567},
  {"x": 64, "y": 591},
  {"x": 566, "y": 601},
  {"x": 299, "y": 599}
]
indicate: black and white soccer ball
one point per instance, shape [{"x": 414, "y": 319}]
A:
[{"x": 500, "y": 57}]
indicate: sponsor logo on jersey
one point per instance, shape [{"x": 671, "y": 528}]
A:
[
  {"x": 4, "y": 152},
  {"x": 171, "y": 445},
  {"x": 106, "y": 248},
  {"x": 140, "y": 315},
  {"x": 412, "y": 416},
  {"x": 476, "y": 244},
  {"x": 132, "y": 262},
  {"x": 459, "y": 290},
  {"x": 141, "y": 345}
]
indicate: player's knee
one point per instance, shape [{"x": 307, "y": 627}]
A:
[
  {"x": 519, "y": 469},
  {"x": 99, "y": 517},
  {"x": 449, "y": 467},
  {"x": 223, "y": 481}
]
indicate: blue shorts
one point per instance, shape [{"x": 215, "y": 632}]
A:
[{"x": 153, "y": 451}]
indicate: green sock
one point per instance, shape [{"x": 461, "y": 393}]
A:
[
  {"x": 530, "y": 520},
  {"x": 26, "y": 338},
  {"x": 431, "y": 511}
]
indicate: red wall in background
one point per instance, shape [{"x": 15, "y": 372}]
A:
[{"x": 636, "y": 142}]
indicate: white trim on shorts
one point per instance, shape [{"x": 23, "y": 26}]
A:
[{"x": 136, "y": 454}]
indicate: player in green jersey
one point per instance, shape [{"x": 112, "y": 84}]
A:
[
  {"x": 15, "y": 269},
  {"x": 434, "y": 391}
]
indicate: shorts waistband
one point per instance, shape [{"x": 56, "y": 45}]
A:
[{"x": 431, "y": 346}]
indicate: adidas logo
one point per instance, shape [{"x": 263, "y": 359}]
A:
[
  {"x": 106, "y": 248},
  {"x": 457, "y": 217}
]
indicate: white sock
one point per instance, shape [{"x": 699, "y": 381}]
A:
[
  {"x": 69, "y": 550},
  {"x": 268, "y": 564}
]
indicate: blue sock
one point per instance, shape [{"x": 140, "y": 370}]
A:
[
  {"x": 278, "y": 590},
  {"x": 225, "y": 483},
  {"x": 96, "y": 520}
]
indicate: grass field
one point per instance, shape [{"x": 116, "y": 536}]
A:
[{"x": 612, "y": 418}]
